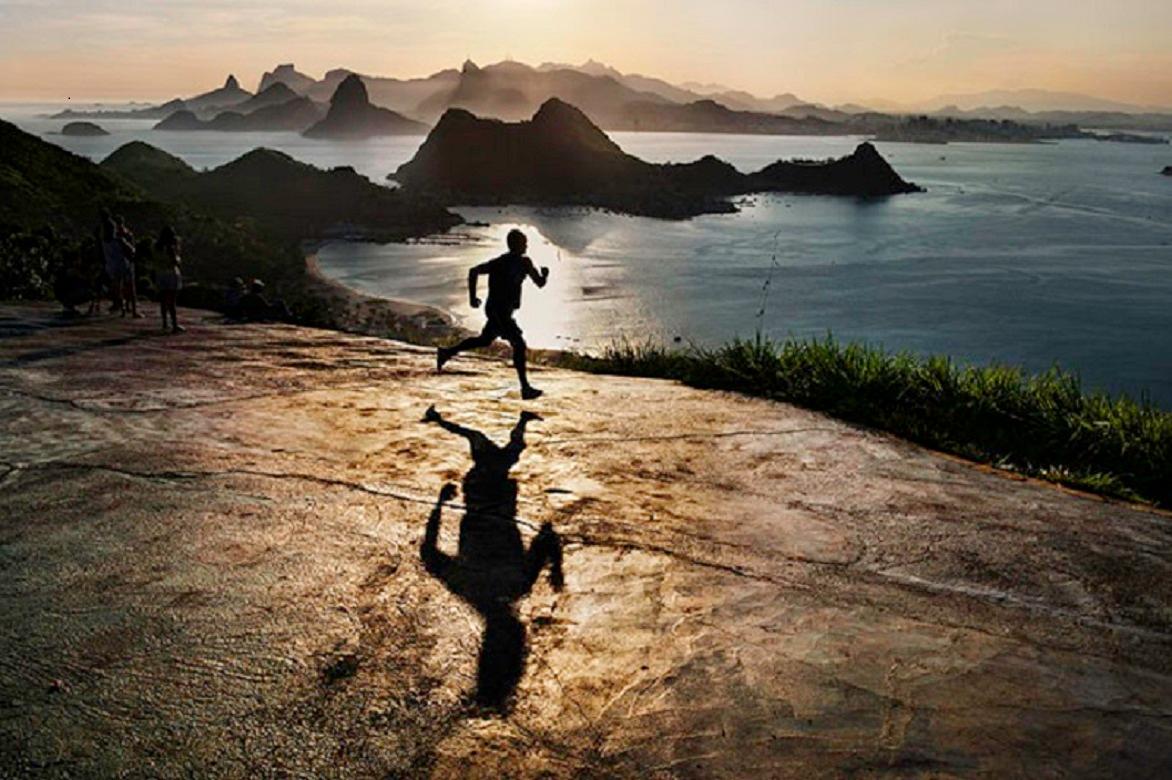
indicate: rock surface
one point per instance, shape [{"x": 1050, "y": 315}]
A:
[{"x": 211, "y": 557}]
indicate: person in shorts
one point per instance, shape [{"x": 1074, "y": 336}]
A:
[
  {"x": 169, "y": 277},
  {"x": 505, "y": 275}
]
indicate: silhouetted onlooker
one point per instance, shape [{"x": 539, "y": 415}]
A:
[
  {"x": 114, "y": 262},
  {"x": 169, "y": 277},
  {"x": 129, "y": 285},
  {"x": 233, "y": 298},
  {"x": 73, "y": 285},
  {"x": 255, "y": 307}
]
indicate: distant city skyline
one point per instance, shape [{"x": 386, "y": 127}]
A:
[{"x": 863, "y": 51}]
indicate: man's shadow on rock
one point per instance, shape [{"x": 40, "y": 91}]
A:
[{"x": 492, "y": 570}]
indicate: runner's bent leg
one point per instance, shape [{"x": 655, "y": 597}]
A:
[{"x": 483, "y": 339}]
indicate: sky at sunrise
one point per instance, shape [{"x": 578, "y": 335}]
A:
[{"x": 822, "y": 50}]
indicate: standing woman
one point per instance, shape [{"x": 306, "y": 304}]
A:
[
  {"x": 114, "y": 263},
  {"x": 129, "y": 279},
  {"x": 169, "y": 279}
]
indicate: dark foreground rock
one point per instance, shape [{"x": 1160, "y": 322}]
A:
[
  {"x": 83, "y": 128},
  {"x": 559, "y": 157},
  {"x": 212, "y": 567},
  {"x": 352, "y": 116},
  {"x": 295, "y": 200}
]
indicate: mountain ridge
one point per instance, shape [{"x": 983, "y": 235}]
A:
[
  {"x": 351, "y": 115},
  {"x": 559, "y": 157}
]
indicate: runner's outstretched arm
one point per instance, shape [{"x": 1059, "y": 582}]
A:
[{"x": 539, "y": 278}]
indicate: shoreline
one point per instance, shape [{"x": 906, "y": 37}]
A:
[{"x": 352, "y": 311}]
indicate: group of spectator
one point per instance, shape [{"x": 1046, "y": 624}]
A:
[{"x": 111, "y": 273}]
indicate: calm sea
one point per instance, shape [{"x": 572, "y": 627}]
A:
[{"x": 1028, "y": 255}]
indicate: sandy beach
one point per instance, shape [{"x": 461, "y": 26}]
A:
[{"x": 354, "y": 312}]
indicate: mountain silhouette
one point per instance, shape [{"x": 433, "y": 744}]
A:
[
  {"x": 289, "y": 76},
  {"x": 226, "y": 96},
  {"x": 514, "y": 91},
  {"x": 295, "y": 115},
  {"x": 559, "y": 157},
  {"x": 290, "y": 198},
  {"x": 83, "y": 129},
  {"x": 351, "y": 115},
  {"x": 273, "y": 95}
]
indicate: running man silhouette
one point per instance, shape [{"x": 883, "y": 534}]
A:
[{"x": 505, "y": 277}]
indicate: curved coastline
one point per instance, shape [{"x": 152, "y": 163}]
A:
[{"x": 353, "y": 311}]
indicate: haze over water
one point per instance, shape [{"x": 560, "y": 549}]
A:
[{"x": 1022, "y": 254}]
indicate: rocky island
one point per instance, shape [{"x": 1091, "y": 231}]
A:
[
  {"x": 294, "y": 115},
  {"x": 83, "y": 129},
  {"x": 205, "y": 104},
  {"x": 353, "y": 116},
  {"x": 560, "y": 158},
  {"x": 1167, "y": 170}
]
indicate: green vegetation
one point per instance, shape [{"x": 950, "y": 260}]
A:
[
  {"x": 29, "y": 263},
  {"x": 1043, "y": 425},
  {"x": 50, "y": 202},
  {"x": 289, "y": 200}
]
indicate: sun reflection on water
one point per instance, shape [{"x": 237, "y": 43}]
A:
[{"x": 552, "y": 317}]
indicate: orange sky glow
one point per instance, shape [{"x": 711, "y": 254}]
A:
[{"x": 831, "y": 52}]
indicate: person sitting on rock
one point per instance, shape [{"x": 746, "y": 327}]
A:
[
  {"x": 233, "y": 297},
  {"x": 505, "y": 274},
  {"x": 255, "y": 307},
  {"x": 72, "y": 284}
]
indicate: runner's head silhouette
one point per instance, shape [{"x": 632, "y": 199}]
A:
[{"x": 517, "y": 241}]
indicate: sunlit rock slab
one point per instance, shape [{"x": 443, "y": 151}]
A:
[{"x": 210, "y": 565}]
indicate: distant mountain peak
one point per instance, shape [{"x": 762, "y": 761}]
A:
[
  {"x": 469, "y": 67},
  {"x": 556, "y": 108},
  {"x": 287, "y": 74},
  {"x": 277, "y": 88},
  {"x": 351, "y": 115},
  {"x": 351, "y": 92},
  {"x": 231, "y": 83}
]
